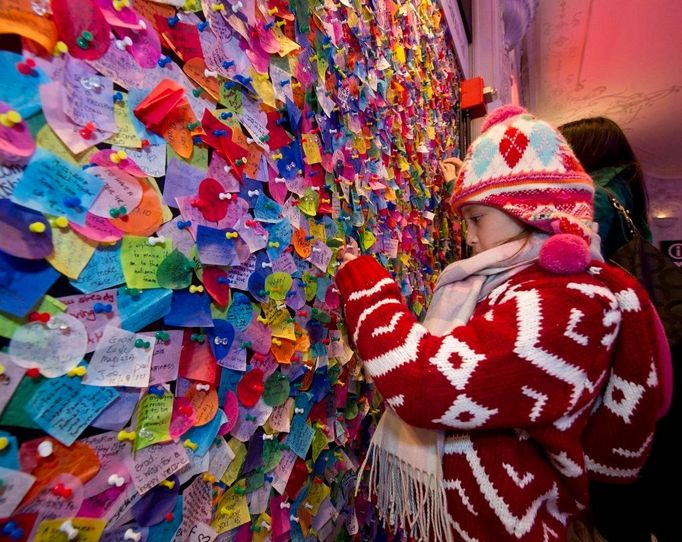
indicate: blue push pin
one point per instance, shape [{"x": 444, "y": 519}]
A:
[
  {"x": 159, "y": 391},
  {"x": 163, "y": 60},
  {"x": 102, "y": 307},
  {"x": 227, "y": 64},
  {"x": 196, "y": 140},
  {"x": 182, "y": 224},
  {"x": 226, "y": 115},
  {"x": 172, "y": 21},
  {"x": 202, "y": 26},
  {"x": 268, "y": 26},
  {"x": 218, "y": 133},
  {"x": 72, "y": 202},
  {"x": 229, "y": 84},
  {"x": 118, "y": 97}
]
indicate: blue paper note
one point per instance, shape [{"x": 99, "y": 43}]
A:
[
  {"x": 118, "y": 413},
  {"x": 103, "y": 270},
  {"x": 267, "y": 210},
  {"x": 204, "y": 435},
  {"x": 18, "y": 90},
  {"x": 181, "y": 180},
  {"x": 240, "y": 312},
  {"x": 140, "y": 310},
  {"x": 214, "y": 248},
  {"x": 279, "y": 235},
  {"x": 51, "y": 185},
  {"x": 9, "y": 458},
  {"x": 63, "y": 407},
  {"x": 300, "y": 437},
  {"x": 189, "y": 310},
  {"x": 23, "y": 283},
  {"x": 164, "y": 531}
]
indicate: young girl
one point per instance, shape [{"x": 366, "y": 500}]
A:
[{"x": 537, "y": 365}]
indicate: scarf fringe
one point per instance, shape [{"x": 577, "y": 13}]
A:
[{"x": 407, "y": 497}]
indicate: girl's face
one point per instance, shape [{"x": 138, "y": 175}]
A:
[{"x": 488, "y": 227}]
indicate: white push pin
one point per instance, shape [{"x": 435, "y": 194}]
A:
[
  {"x": 125, "y": 42},
  {"x": 153, "y": 241},
  {"x": 209, "y": 73},
  {"x": 142, "y": 24},
  {"x": 237, "y": 6},
  {"x": 266, "y": 264},
  {"x": 284, "y": 505},
  {"x": 203, "y": 387},
  {"x": 295, "y": 519},
  {"x": 132, "y": 535},
  {"x": 116, "y": 480},
  {"x": 308, "y": 506},
  {"x": 225, "y": 195},
  {"x": 268, "y": 437},
  {"x": 253, "y": 193},
  {"x": 69, "y": 530},
  {"x": 298, "y": 411},
  {"x": 45, "y": 448},
  {"x": 280, "y": 180}
]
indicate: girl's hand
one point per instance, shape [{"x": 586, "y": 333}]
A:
[
  {"x": 450, "y": 168},
  {"x": 348, "y": 253}
]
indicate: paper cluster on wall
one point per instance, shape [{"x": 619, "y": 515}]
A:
[{"x": 176, "y": 180}]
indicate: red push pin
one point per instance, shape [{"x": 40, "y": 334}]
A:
[
  {"x": 62, "y": 491},
  {"x": 169, "y": 517},
  {"x": 87, "y": 131},
  {"x": 43, "y": 317},
  {"x": 34, "y": 372},
  {"x": 27, "y": 67},
  {"x": 145, "y": 143}
]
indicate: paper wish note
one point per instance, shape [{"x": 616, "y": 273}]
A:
[
  {"x": 71, "y": 252},
  {"x": 15, "y": 484},
  {"x": 18, "y": 90},
  {"x": 95, "y": 311},
  {"x": 121, "y": 359},
  {"x": 51, "y": 185},
  {"x": 63, "y": 407},
  {"x": 89, "y": 529},
  {"x": 143, "y": 308},
  {"x": 182, "y": 179},
  {"x": 232, "y": 511},
  {"x": 153, "y": 420},
  {"x": 150, "y": 159},
  {"x": 102, "y": 271},
  {"x": 23, "y": 283},
  {"x": 68, "y": 132},
  {"x": 141, "y": 260},
  {"x": 152, "y": 465},
  {"x": 166, "y": 357},
  {"x": 87, "y": 97}
]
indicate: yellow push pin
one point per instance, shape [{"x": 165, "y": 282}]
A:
[
  {"x": 118, "y": 157},
  {"x": 168, "y": 483},
  {"x": 126, "y": 435},
  {"x": 4, "y": 443},
  {"x": 60, "y": 48},
  {"x": 59, "y": 222},
  {"x": 208, "y": 477},
  {"x": 10, "y": 118},
  {"x": 191, "y": 445},
  {"x": 77, "y": 371},
  {"x": 36, "y": 227}
]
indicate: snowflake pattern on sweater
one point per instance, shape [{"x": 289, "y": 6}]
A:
[{"x": 514, "y": 389}]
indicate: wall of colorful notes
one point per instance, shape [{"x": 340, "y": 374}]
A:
[{"x": 176, "y": 180}]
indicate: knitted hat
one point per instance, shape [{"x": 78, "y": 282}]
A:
[{"x": 524, "y": 167}]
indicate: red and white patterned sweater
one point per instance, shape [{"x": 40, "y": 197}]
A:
[{"x": 514, "y": 388}]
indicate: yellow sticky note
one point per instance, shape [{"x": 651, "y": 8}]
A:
[
  {"x": 261, "y": 530},
  {"x": 9, "y": 324},
  {"x": 231, "y": 98},
  {"x": 231, "y": 512},
  {"x": 322, "y": 67},
  {"x": 286, "y": 46},
  {"x": 71, "y": 252},
  {"x": 232, "y": 471},
  {"x": 317, "y": 494},
  {"x": 126, "y": 136},
  {"x": 89, "y": 530},
  {"x": 140, "y": 261},
  {"x": 399, "y": 52},
  {"x": 317, "y": 230},
  {"x": 264, "y": 89},
  {"x": 320, "y": 442},
  {"x": 311, "y": 148},
  {"x": 47, "y": 139}
]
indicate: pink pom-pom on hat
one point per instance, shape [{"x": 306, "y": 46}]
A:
[{"x": 565, "y": 254}]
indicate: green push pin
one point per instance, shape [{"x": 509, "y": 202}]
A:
[{"x": 85, "y": 39}]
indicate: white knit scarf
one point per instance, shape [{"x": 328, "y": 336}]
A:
[{"x": 406, "y": 472}]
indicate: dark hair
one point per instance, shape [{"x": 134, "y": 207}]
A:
[{"x": 599, "y": 142}]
